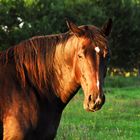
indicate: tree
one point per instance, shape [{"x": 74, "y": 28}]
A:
[{"x": 22, "y": 19}]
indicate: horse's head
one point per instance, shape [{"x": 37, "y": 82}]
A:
[{"x": 90, "y": 62}]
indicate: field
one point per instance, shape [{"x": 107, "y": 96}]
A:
[{"x": 119, "y": 119}]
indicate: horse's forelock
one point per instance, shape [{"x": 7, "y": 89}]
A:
[{"x": 96, "y": 36}]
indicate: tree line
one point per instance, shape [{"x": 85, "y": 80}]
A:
[{"x": 22, "y": 19}]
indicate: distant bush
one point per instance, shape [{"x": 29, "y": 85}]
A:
[{"x": 121, "y": 82}]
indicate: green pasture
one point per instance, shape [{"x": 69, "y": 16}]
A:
[{"x": 119, "y": 119}]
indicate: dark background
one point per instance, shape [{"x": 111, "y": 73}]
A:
[{"x": 22, "y": 19}]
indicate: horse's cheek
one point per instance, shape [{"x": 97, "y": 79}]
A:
[{"x": 78, "y": 72}]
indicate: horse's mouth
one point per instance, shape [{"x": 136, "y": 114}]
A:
[{"x": 92, "y": 109}]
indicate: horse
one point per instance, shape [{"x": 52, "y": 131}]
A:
[{"x": 39, "y": 76}]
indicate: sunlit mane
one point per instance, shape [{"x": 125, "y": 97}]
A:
[{"x": 34, "y": 57}]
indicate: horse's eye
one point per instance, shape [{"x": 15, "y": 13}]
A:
[{"x": 79, "y": 55}]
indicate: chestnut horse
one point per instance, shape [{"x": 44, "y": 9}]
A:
[{"x": 39, "y": 76}]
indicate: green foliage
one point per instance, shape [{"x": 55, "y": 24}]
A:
[
  {"x": 21, "y": 19},
  {"x": 118, "y": 119},
  {"x": 121, "y": 82}
]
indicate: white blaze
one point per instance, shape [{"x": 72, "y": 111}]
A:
[
  {"x": 97, "y": 49},
  {"x": 98, "y": 84}
]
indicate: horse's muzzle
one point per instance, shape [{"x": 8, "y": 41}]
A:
[{"x": 94, "y": 104}]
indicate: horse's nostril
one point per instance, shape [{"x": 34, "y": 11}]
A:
[
  {"x": 95, "y": 106},
  {"x": 89, "y": 98}
]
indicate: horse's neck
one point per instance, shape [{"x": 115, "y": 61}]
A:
[{"x": 67, "y": 84}]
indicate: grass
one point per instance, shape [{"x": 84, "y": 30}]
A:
[{"x": 119, "y": 119}]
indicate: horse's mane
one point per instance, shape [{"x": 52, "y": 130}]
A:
[{"x": 34, "y": 58}]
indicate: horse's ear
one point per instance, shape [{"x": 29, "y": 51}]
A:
[
  {"x": 106, "y": 28},
  {"x": 74, "y": 28}
]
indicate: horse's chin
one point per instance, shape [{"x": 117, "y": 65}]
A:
[{"x": 91, "y": 109}]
